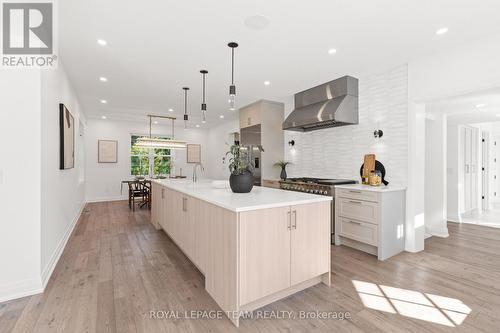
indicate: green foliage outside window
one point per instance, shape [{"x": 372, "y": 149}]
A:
[{"x": 142, "y": 158}]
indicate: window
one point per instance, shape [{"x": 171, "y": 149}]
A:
[{"x": 145, "y": 161}]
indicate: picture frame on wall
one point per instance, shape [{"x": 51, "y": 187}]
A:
[
  {"x": 107, "y": 151},
  {"x": 66, "y": 138},
  {"x": 193, "y": 153}
]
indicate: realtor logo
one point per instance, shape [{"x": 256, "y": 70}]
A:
[{"x": 28, "y": 29}]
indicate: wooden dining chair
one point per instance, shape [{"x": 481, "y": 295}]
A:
[{"x": 136, "y": 189}]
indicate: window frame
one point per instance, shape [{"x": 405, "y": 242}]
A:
[{"x": 150, "y": 155}]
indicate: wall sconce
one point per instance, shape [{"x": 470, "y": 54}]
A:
[
  {"x": 378, "y": 134},
  {"x": 291, "y": 143}
]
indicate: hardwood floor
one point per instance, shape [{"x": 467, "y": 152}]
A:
[{"x": 117, "y": 268}]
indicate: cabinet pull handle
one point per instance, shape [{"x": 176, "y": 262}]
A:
[
  {"x": 294, "y": 219},
  {"x": 184, "y": 204},
  {"x": 357, "y": 192},
  {"x": 289, "y": 220},
  {"x": 354, "y": 222},
  {"x": 163, "y": 193},
  {"x": 356, "y": 202}
]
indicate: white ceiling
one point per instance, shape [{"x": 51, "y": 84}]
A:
[
  {"x": 156, "y": 47},
  {"x": 475, "y": 107}
]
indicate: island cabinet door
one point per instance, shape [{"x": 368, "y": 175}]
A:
[
  {"x": 191, "y": 208},
  {"x": 159, "y": 202},
  {"x": 155, "y": 216},
  {"x": 310, "y": 241},
  {"x": 264, "y": 253},
  {"x": 169, "y": 204}
]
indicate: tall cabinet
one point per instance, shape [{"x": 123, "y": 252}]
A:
[
  {"x": 469, "y": 146},
  {"x": 261, "y": 124}
]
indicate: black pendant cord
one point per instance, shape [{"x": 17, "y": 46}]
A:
[
  {"x": 203, "y": 88},
  {"x": 186, "y": 117},
  {"x": 232, "y": 87},
  {"x": 203, "y": 102},
  {"x": 232, "y": 66}
]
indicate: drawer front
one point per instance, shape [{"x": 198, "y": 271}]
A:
[
  {"x": 359, "y": 231},
  {"x": 357, "y": 194},
  {"x": 359, "y": 210}
]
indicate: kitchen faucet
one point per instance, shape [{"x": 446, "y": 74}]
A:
[{"x": 195, "y": 166}]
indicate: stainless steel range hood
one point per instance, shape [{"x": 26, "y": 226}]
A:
[{"x": 331, "y": 104}]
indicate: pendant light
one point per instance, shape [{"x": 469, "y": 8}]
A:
[
  {"x": 232, "y": 87},
  {"x": 203, "y": 103},
  {"x": 186, "y": 117},
  {"x": 150, "y": 142}
]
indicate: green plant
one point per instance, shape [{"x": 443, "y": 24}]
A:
[
  {"x": 239, "y": 160},
  {"x": 282, "y": 164}
]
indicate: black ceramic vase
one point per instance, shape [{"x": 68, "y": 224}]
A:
[
  {"x": 283, "y": 173},
  {"x": 241, "y": 183}
]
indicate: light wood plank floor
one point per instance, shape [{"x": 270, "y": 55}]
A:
[{"x": 116, "y": 268}]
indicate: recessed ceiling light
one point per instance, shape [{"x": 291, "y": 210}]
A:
[
  {"x": 203, "y": 121},
  {"x": 480, "y": 105},
  {"x": 498, "y": 115},
  {"x": 332, "y": 51},
  {"x": 197, "y": 125},
  {"x": 103, "y": 101},
  {"x": 170, "y": 110},
  {"x": 155, "y": 122},
  {"x": 103, "y": 117},
  {"x": 221, "y": 116},
  {"x": 102, "y": 42},
  {"x": 441, "y": 31},
  {"x": 266, "y": 83},
  {"x": 103, "y": 79}
]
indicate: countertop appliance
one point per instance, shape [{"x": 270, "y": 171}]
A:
[
  {"x": 331, "y": 104},
  {"x": 319, "y": 186}
]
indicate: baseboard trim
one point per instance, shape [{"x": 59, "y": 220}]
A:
[
  {"x": 20, "y": 289},
  {"x": 49, "y": 269},
  {"x": 120, "y": 198}
]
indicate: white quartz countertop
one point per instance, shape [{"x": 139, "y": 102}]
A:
[
  {"x": 381, "y": 188},
  {"x": 259, "y": 198}
]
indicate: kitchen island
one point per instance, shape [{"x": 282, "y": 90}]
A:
[{"x": 253, "y": 248}]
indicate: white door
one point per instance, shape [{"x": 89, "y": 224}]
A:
[
  {"x": 469, "y": 163},
  {"x": 467, "y": 168}
]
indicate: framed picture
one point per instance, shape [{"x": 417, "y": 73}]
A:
[
  {"x": 67, "y": 138},
  {"x": 107, "y": 151},
  {"x": 193, "y": 153}
]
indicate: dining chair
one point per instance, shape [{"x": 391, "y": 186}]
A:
[{"x": 136, "y": 189}]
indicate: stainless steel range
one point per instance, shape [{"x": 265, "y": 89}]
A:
[{"x": 317, "y": 186}]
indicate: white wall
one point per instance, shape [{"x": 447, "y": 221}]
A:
[
  {"x": 20, "y": 183},
  {"x": 338, "y": 152},
  {"x": 463, "y": 69},
  {"x": 219, "y": 139},
  {"x": 103, "y": 179},
  {"x": 39, "y": 203},
  {"x": 435, "y": 175},
  {"x": 63, "y": 191}
]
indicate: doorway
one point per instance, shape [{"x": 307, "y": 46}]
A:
[{"x": 462, "y": 161}]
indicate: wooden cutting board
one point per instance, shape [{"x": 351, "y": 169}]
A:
[{"x": 369, "y": 164}]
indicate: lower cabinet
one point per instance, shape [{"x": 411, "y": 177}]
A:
[
  {"x": 294, "y": 248},
  {"x": 178, "y": 214}
]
